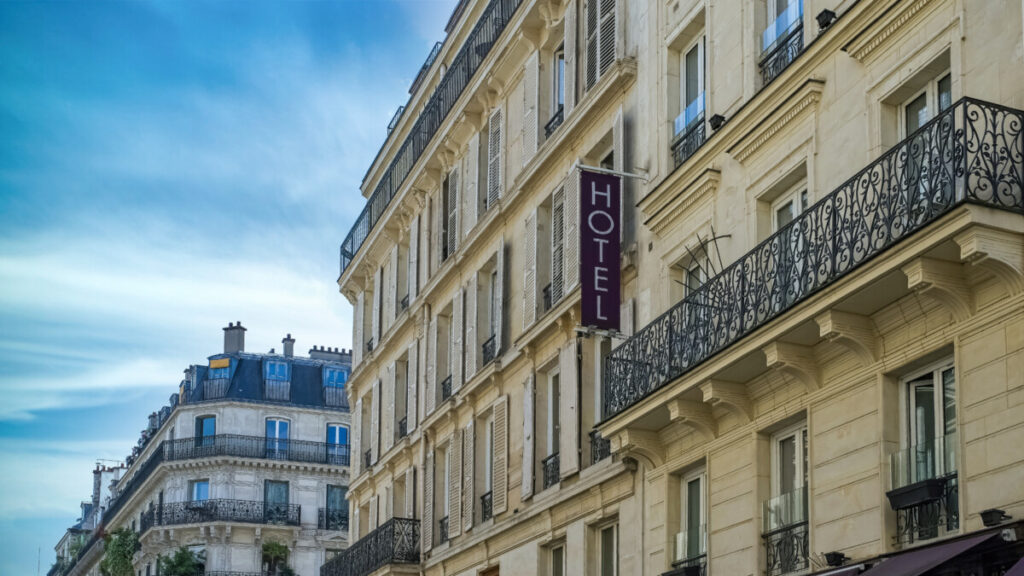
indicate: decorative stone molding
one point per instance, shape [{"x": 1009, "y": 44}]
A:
[
  {"x": 886, "y": 27},
  {"x": 942, "y": 281},
  {"x": 643, "y": 444},
  {"x": 852, "y": 331},
  {"x": 805, "y": 98},
  {"x": 793, "y": 360},
  {"x": 664, "y": 209},
  {"x": 732, "y": 396},
  {"x": 696, "y": 415},
  {"x": 996, "y": 251}
]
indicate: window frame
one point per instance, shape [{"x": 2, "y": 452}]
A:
[
  {"x": 936, "y": 369},
  {"x": 802, "y": 476},
  {"x": 699, "y": 475},
  {"x": 193, "y": 484},
  {"x": 554, "y": 424},
  {"x": 558, "y": 78},
  {"x": 600, "y": 530},
  {"x": 699, "y": 43},
  {"x": 932, "y": 101},
  {"x": 338, "y": 426},
  {"x": 800, "y": 197},
  {"x": 489, "y": 452},
  {"x": 559, "y": 548}
]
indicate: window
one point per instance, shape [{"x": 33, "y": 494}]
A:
[
  {"x": 931, "y": 422},
  {"x": 600, "y": 38},
  {"x": 784, "y": 17},
  {"x": 789, "y": 478},
  {"x": 934, "y": 98},
  {"x": 277, "y": 438},
  {"x": 690, "y": 542},
  {"x": 557, "y": 560},
  {"x": 691, "y": 90},
  {"x": 447, "y": 460},
  {"x": 275, "y": 501},
  {"x": 558, "y": 97},
  {"x": 788, "y": 206},
  {"x": 557, "y": 243},
  {"x": 554, "y": 425},
  {"x": 335, "y": 377},
  {"x": 492, "y": 298},
  {"x": 199, "y": 490},
  {"x": 274, "y": 370},
  {"x": 449, "y": 214},
  {"x": 337, "y": 508},
  {"x": 489, "y": 453},
  {"x": 337, "y": 444},
  {"x": 206, "y": 430},
  {"x": 608, "y": 550}
]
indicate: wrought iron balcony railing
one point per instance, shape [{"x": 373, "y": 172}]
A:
[
  {"x": 369, "y": 345},
  {"x": 277, "y": 390},
  {"x": 227, "y": 445},
  {"x": 403, "y": 427},
  {"x": 599, "y": 447},
  {"x": 426, "y": 66},
  {"x": 446, "y": 388},
  {"x": 551, "y": 468},
  {"x": 972, "y": 152},
  {"x": 396, "y": 541},
  {"x": 461, "y": 70},
  {"x": 780, "y": 57},
  {"x": 784, "y": 529},
  {"x": 394, "y": 119},
  {"x": 488, "y": 350},
  {"x": 930, "y": 517},
  {"x": 924, "y": 489},
  {"x": 442, "y": 530},
  {"x": 221, "y": 510},
  {"x": 554, "y": 122},
  {"x": 332, "y": 519},
  {"x": 335, "y": 396},
  {"x": 214, "y": 388},
  {"x": 689, "y": 141},
  {"x": 487, "y": 506}
]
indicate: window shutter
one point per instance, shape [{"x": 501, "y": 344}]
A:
[
  {"x": 455, "y": 484},
  {"x": 607, "y": 35},
  {"x": 471, "y": 195},
  {"x": 457, "y": 341},
  {"x": 414, "y": 253},
  {"x": 570, "y": 57},
  {"x": 499, "y": 486},
  {"x": 471, "y": 316},
  {"x": 571, "y": 220},
  {"x": 569, "y": 433},
  {"x": 357, "y": 329},
  {"x": 427, "y": 526},
  {"x": 530, "y": 271},
  {"x": 468, "y": 461},
  {"x": 558, "y": 257},
  {"x": 393, "y": 287},
  {"x": 410, "y": 492},
  {"x": 453, "y": 212},
  {"x": 374, "y": 438},
  {"x": 499, "y": 296},
  {"x": 388, "y": 399},
  {"x": 494, "y": 145},
  {"x": 431, "y": 396},
  {"x": 528, "y": 396},
  {"x": 375, "y": 320},
  {"x": 439, "y": 217},
  {"x": 412, "y": 386},
  {"x": 530, "y": 99},
  {"x": 591, "y": 27},
  {"x": 356, "y": 453}
]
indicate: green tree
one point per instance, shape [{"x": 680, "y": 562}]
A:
[
  {"x": 275, "y": 558},
  {"x": 119, "y": 547},
  {"x": 181, "y": 563}
]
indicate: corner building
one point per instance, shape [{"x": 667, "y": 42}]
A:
[{"x": 820, "y": 361}]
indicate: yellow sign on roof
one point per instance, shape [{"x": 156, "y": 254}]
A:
[{"x": 220, "y": 363}]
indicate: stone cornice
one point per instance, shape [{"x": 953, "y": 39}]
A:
[
  {"x": 664, "y": 209},
  {"x": 893, "y": 18},
  {"x": 806, "y": 96}
]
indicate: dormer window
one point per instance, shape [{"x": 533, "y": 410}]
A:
[{"x": 276, "y": 380}]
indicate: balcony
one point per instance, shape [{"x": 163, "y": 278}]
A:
[
  {"x": 781, "y": 42},
  {"x": 488, "y": 350},
  {"x": 599, "y": 447},
  {"x": 396, "y": 541},
  {"x": 220, "y": 510},
  {"x": 446, "y": 388},
  {"x": 487, "y": 506},
  {"x": 924, "y": 490},
  {"x": 442, "y": 530},
  {"x": 336, "y": 396},
  {"x": 394, "y": 119},
  {"x": 691, "y": 554},
  {"x": 784, "y": 529},
  {"x": 970, "y": 153},
  {"x": 431, "y": 57},
  {"x": 214, "y": 388},
  {"x": 550, "y": 467},
  {"x": 690, "y": 134},
  {"x": 277, "y": 390},
  {"x": 332, "y": 519},
  {"x": 460, "y": 72},
  {"x": 554, "y": 122}
]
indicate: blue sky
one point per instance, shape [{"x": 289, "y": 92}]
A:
[{"x": 165, "y": 168}]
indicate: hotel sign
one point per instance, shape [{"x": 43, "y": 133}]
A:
[{"x": 600, "y": 222}]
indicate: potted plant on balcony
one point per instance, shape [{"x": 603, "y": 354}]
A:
[
  {"x": 119, "y": 548},
  {"x": 917, "y": 493}
]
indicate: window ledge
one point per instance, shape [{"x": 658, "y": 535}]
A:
[{"x": 542, "y": 325}]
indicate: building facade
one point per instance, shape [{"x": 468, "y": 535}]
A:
[
  {"x": 819, "y": 354},
  {"x": 252, "y": 449}
]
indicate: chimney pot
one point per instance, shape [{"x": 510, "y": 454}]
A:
[
  {"x": 234, "y": 338},
  {"x": 289, "y": 346}
]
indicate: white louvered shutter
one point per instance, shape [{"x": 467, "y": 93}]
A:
[
  {"x": 387, "y": 424},
  {"x": 375, "y": 321},
  {"x": 591, "y": 30},
  {"x": 452, "y": 206},
  {"x": 410, "y": 492},
  {"x": 414, "y": 255},
  {"x": 356, "y": 455},
  {"x": 393, "y": 296},
  {"x": 528, "y": 395},
  {"x": 457, "y": 342},
  {"x": 494, "y": 156},
  {"x": 468, "y": 493},
  {"x": 455, "y": 484},
  {"x": 427, "y": 526},
  {"x": 608, "y": 35},
  {"x": 374, "y": 438},
  {"x": 499, "y": 485},
  {"x": 471, "y": 192},
  {"x": 357, "y": 329},
  {"x": 439, "y": 218},
  {"x": 568, "y": 417},
  {"x": 570, "y": 57},
  {"x": 412, "y": 386},
  {"x": 530, "y": 106},
  {"x": 470, "y": 344},
  {"x": 431, "y": 394},
  {"x": 558, "y": 257},
  {"x": 530, "y": 271},
  {"x": 499, "y": 297},
  {"x": 571, "y": 219}
]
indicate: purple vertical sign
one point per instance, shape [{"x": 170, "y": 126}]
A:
[{"x": 600, "y": 200}]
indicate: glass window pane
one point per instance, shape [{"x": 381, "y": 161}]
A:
[
  {"x": 692, "y": 81},
  {"x": 945, "y": 92},
  {"x": 784, "y": 214},
  {"x": 916, "y": 113},
  {"x": 693, "y": 516},
  {"x": 949, "y": 401},
  {"x": 557, "y": 561},
  {"x": 608, "y": 551},
  {"x": 787, "y": 465}
]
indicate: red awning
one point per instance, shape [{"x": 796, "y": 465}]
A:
[{"x": 917, "y": 562}]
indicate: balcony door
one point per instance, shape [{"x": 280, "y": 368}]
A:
[
  {"x": 690, "y": 542},
  {"x": 275, "y": 501},
  {"x": 789, "y": 478},
  {"x": 337, "y": 508},
  {"x": 927, "y": 169},
  {"x": 277, "y": 438},
  {"x": 337, "y": 445},
  {"x": 691, "y": 91},
  {"x": 206, "y": 432},
  {"x": 931, "y": 420}
]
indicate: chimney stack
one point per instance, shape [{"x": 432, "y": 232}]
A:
[
  {"x": 326, "y": 353},
  {"x": 289, "y": 346},
  {"x": 234, "y": 338}
]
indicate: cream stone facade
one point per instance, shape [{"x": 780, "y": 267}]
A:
[{"x": 821, "y": 347}]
